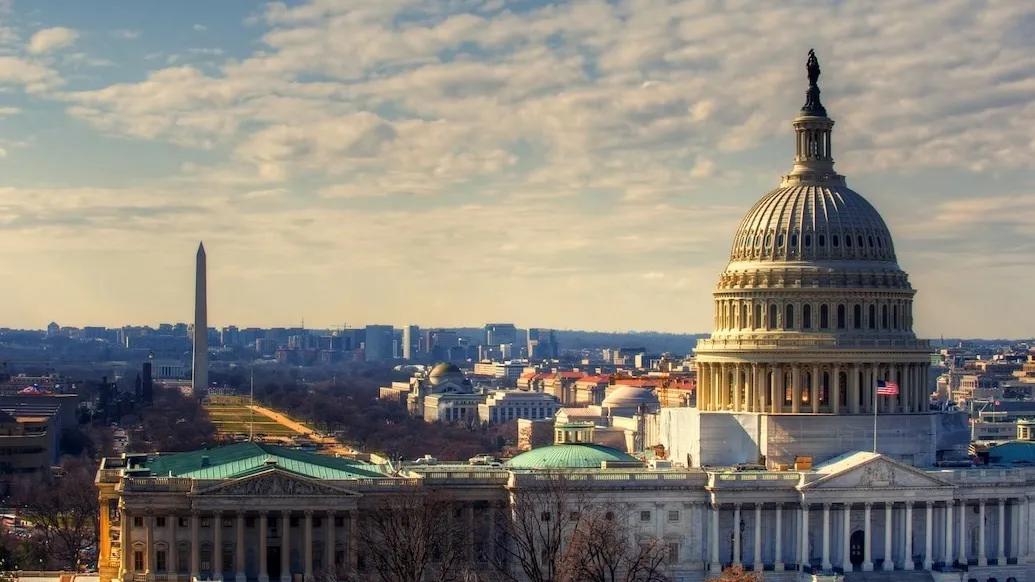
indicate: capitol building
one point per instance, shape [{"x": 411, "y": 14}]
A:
[{"x": 792, "y": 464}]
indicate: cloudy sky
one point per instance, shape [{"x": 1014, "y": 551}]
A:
[{"x": 575, "y": 165}]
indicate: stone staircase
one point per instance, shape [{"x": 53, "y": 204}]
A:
[{"x": 893, "y": 576}]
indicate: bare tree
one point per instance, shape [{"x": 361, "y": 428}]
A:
[
  {"x": 604, "y": 548},
  {"x": 63, "y": 513},
  {"x": 412, "y": 537},
  {"x": 533, "y": 539}
]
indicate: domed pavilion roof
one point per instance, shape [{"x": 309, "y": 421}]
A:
[
  {"x": 569, "y": 456},
  {"x": 631, "y": 397}
]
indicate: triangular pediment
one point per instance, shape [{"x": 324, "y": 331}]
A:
[
  {"x": 872, "y": 471},
  {"x": 275, "y": 483}
]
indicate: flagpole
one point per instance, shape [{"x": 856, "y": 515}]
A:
[{"x": 874, "y": 388}]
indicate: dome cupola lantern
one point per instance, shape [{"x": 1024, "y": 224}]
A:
[{"x": 813, "y": 159}]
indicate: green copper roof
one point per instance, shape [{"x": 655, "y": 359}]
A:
[
  {"x": 569, "y": 456},
  {"x": 241, "y": 459}
]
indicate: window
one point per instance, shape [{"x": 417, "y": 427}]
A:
[
  {"x": 183, "y": 522},
  {"x": 808, "y": 241},
  {"x": 824, "y": 317},
  {"x": 294, "y": 522},
  {"x": 857, "y": 316},
  {"x": 772, "y": 316},
  {"x": 870, "y": 241},
  {"x": 872, "y": 311},
  {"x": 339, "y": 521},
  {"x": 848, "y": 241},
  {"x": 859, "y": 239},
  {"x": 160, "y": 521},
  {"x": 758, "y": 317},
  {"x": 227, "y": 522},
  {"x": 138, "y": 560},
  {"x": 645, "y": 516},
  {"x": 884, "y": 316},
  {"x": 894, "y": 312},
  {"x": 204, "y": 522},
  {"x": 249, "y": 522},
  {"x": 835, "y": 240},
  {"x": 840, "y": 317},
  {"x": 779, "y": 240},
  {"x": 673, "y": 515},
  {"x": 672, "y": 555},
  {"x": 806, "y": 316},
  {"x": 822, "y": 240},
  {"x": 138, "y": 521},
  {"x": 788, "y": 322},
  {"x": 794, "y": 240},
  {"x": 160, "y": 560}
]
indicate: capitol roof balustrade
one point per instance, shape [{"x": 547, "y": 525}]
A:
[
  {"x": 807, "y": 341},
  {"x": 1005, "y": 476},
  {"x": 647, "y": 478},
  {"x": 753, "y": 480}
]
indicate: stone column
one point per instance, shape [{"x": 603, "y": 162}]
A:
[
  {"x": 778, "y": 555},
  {"x": 149, "y": 546},
  {"x": 949, "y": 550},
  {"x": 825, "y": 564},
  {"x": 242, "y": 574},
  {"x": 738, "y": 387},
  {"x": 217, "y": 546},
  {"x": 796, "y": 388},
  {"x": 814, "y": 395},
  {"x": 195, "y": 545},
  {"x": 715, "y": 566},
  {"x": 307, "y": 552},
  {"x": 892, "y": 401},
  {"x": 867, "y": 564},
  {"x": 846, "y": 537},
  {"x": 853, "y": 390},
  {"x": 889, "y": 558},
  {"x": 908, "y": 563},
  {"x": 776, "y": 389},
  {"x": 264, "y": 573},
  {"x": 758, "y": 566},
  {"x": 982, "y": 558},
  {"x": 350, "y": 548},
  {"x": 174, "y": 566},
  {"x": 724, "y": 387},
  {"x": 1000, "y": 552},
  {"x": 835, "y": 389},
  {"x": 928, "y": 531},
  {"x": 285, "y": 546},
  {"x": 328, "y": 555},
  {"x": 702, "y": 386},
  {"x": 126, "y": 541},
  {"x": 806, "y": 562},
  {"x": 736, "y": 534},
  {"x": 963, "y": 532}
]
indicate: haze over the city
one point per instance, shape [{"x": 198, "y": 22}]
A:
[{"x": 570, "y": 165}]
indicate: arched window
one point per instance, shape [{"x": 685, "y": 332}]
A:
[
  {"x": 857, "y": 316},
  {"x": 894, "y": 316},
  {"x": 840, "y": 317},
  {"x": 859, "y": 239},
  {"x": 779, "y": 240},
  {"x": 788, "y": 322},
  {"x": 824, "y": 316},
  {"x": 884, "y": 317},
  {"x": 873, "y": 316},
  {"x": 772, "y": 316},
  {"x": 822, "y": 240},
  {"x": 808, "y": 241},
  {"x": 806, "y": 316},
  {"x": 794, "y": 240},
  {"x": 743, "y": 315},
  {"x": 835, "y": 240},
  {"x": 848, "y": 241},
  {"x": 757, "y": 323}
]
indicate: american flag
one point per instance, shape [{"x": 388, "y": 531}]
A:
[{"x": 887, "y": 388}]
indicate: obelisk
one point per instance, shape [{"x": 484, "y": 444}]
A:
[{"x": 199, "y": 383}]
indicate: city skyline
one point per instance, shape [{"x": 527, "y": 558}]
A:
[{"x": 569, "y": 167}]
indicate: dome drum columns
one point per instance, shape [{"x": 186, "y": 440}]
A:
[{"x": 810, "y": 388}]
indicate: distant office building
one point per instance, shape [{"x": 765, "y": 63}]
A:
[
  {"x": 380, "y": 343},
  {"x": 411, "y": 342},
  {"x": 441, "y": 344},
  {"x": 500, "y": 333},
  {"x": 541, "y": 344},
  {"x": 147, "y": 385},
  {"x": 53, "y": 329}
]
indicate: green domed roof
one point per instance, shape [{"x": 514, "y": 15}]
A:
[{"x": 569, "y": 456}]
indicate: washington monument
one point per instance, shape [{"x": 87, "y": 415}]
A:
[{"x": 200, "y": 366}]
